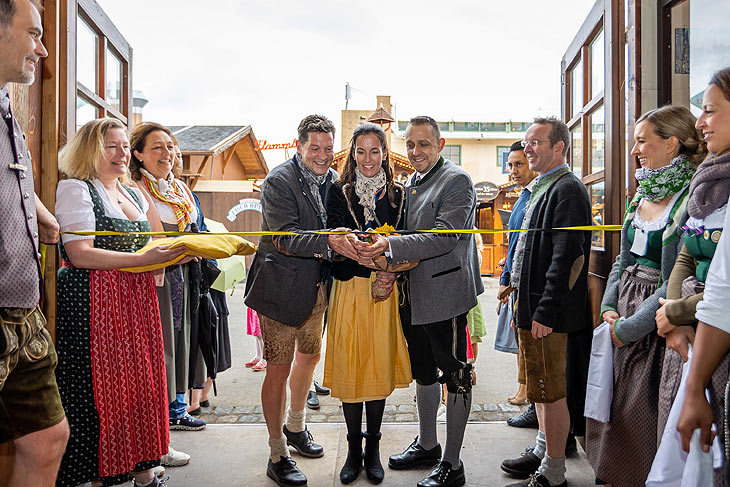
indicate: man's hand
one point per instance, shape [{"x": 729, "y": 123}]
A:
[
  {"x": 47, "y": 225},
  {"x": 679, "y": 340},
  {"x": 504, "y": 300},
  {"x": 379, "y": 246},
  {"x": 539, "y": 330},
  {"x": 664, "y": 326},
  {"x": 385, "y": 279},
  {"x": 610, "y": 316},
  {"x": 343, "y": 244},
  {"x": 696, "y": 413},
  {"x": 616, "y": 342}
]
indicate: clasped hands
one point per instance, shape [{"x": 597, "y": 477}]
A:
[{"x": 351, "y": 246}]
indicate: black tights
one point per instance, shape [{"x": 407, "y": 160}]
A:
[{"x": 353, "y": 416}]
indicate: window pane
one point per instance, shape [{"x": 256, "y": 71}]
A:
[
  {"x": 576, "y": 89},
  {"x": 597, "y": 65},
  {"x": 453, "y": 153},
  {"x": 466, "y": 126},
  {"x": 597, "y": 212},
  {"x": 86, "y": 45},
  {"x": 443, "y": 126},
  {"x": 576, "y": 150},
  {"x": 113, "y": 80},
  {"x": 85, "y": 112},
  {"x": 598, "y": 141}
]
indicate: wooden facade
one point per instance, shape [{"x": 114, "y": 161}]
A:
[{"x": 47, "y": 112}]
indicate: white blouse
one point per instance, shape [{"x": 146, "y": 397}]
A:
[{"x": 75, "y": 209}]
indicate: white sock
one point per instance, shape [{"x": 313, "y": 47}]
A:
[
  {"x": 278, "y": 449},
  {"x": 553, "y": 469},
  {"x": 295, "y": 420},
  {"x": 259, "y": 347},
  {"x": 540, "y": 445}
]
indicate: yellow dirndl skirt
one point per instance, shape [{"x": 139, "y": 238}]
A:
[{"x": 366, "y": 355}]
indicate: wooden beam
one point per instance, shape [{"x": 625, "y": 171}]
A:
[
  {"x": 231, "y": 150},
  {"x": 93, "y": 11}
]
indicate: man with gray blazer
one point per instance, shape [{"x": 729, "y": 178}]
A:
[
  {"x": 437, "y": 294},
  {"x": 287, "y": 286}
]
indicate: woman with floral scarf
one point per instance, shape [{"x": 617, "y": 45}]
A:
[{"x": 668, "y": 149}]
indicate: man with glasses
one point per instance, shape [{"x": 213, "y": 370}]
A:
[
  {"x": 31, "y": 414},
  {"x": 550, "y": 273}
]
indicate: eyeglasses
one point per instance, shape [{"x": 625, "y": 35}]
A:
[{"x": 532, "y": 143}]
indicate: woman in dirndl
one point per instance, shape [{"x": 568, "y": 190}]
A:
[
  {"x": 708, "y": 201},
  {"x": 111, "y": 367},
  {"x": 366, "y": 355},
  {"x": 668, "y": 149}
]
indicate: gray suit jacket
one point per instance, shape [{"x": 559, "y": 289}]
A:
[
  {"x": 282, "y": 280},
  {"x": 447, "y": 281}
]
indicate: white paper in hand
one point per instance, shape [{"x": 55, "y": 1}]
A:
[{"x": 599, "y": 390}]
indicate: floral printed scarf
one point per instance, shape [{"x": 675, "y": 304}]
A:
[{"x": 657, "y": 184}]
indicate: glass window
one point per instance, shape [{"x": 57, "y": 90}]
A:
[
  {"x": 402, "y": 125},
  {"x": 444, "y": 126},
  {"x": 113, "y": 76},
  {"x": 597, "y": 65},
  {"x": 519, "y": 126},
  {"x": 453, "y": 153},
  {"x": 597, "y": 191},
  {"x": 85, "y": 112},
  {"x": 86, "y": 55},
  {"x": 466, "y": 126},
  {"x": 576, "y": 150},
  {"x": 598, "y": 140},
  {"x": 576, "y": 89}
]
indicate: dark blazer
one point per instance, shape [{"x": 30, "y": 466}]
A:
[
  {"x": 553, "y": 287},
  {"x": 282, "y": 281},
  {"x": 344, "y": 210}
]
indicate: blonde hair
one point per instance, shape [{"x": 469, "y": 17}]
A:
[
  {"x": 80, "y": 158},
  {"x": 677, "y": 121}
]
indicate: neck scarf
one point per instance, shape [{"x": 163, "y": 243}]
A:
[
  {"x": 657, "y": 184},
  {"x": 170, "y": 191},
  {"x": 540, "y": 188},
  {"x": 314, "y": 181},
  {"x": 367, "y": 190},
  {"x": 710, "y": 187}
]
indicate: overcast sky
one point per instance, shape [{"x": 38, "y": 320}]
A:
[{"x": 270, "y": 63}]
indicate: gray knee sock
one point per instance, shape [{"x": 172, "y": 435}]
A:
[
  {"x": 458, "y": 407},
  {"x": 553, "y": 469},
  {"x": 540, "y": 445},
  {"x": 428, "y": 399}
]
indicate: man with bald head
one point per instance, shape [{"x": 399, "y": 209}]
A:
[{"x": 31, "y": 414}]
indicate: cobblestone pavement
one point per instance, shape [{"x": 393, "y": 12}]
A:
[{"x": 404, "y": 413}]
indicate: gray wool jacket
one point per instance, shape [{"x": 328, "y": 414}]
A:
[{"x": 633, "y": 328}]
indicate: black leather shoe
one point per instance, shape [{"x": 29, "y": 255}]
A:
[
  {"x": 285, "y": 473},
  {"x": 415, "y": 456},
  {"x": 373, "y": 468},
  {"x": 443, "y": 476},
  {"x": 522, "y": 467},
  {"x": 312, "y": 400},
  {"x": 528, "y": 419},
  {"x": 536, "y": 480},
  {"x": 571, "y": 446},
  {"x": 353, "y": 463},
  {"x": 302, "y": 442},
  {"x": 321, "y": 390}
]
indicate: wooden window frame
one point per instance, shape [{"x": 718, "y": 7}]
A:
[{"x": 108, "y": 38}]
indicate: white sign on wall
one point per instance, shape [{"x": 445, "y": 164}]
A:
[{"x": 246, "y": 204}]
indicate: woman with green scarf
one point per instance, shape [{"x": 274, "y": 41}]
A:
[{"x": 668, "y": 149}]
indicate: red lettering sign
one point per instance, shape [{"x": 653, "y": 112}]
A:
[{"x": 263, "y": 145}]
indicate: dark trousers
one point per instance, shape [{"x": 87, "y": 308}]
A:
[{"x": 435, "y": 346}]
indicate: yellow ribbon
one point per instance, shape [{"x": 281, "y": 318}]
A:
[{"x": 589, "y": 228}]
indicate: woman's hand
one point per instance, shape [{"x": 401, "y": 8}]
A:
[
  {"x": 679, "y": 340},
  {"x": 163, "y": 253},
  {"x": 664, "y": 326},
  {"x": 609, "y": 317},
  {"x": 616, "y": 342},
  {"x": 696, "y": 413}
]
